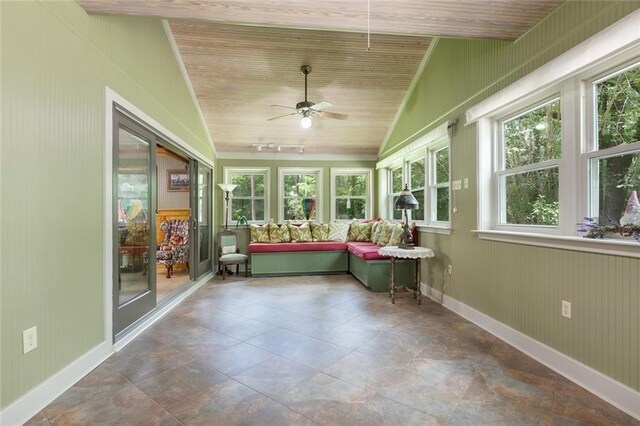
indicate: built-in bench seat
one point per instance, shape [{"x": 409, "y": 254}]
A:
[{"x": 329, "y": 257}]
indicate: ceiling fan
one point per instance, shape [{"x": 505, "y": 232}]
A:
[{"x": 309, "y": 109}]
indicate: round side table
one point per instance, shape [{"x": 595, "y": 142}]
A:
[{"x": 417, "y": 253}]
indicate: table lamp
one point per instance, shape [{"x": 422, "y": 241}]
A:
[
  {"x": 406, "y": 201},
  {"x": 227, "y": 188}
]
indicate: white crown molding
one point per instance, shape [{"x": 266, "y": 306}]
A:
[
  {"x": 294, "y": 156},
  {"x": 187, "y": 81},
  {"x": 610, "y": 390}
]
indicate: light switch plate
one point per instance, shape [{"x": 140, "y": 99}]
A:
[
  {"x": 30, "y": 339},
  {"x": 457, "y": 185}
]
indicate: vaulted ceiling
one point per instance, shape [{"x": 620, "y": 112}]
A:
[{"x": 242, "y": 57}]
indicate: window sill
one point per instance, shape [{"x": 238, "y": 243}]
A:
[
  {"x": 628, "y": 248},
  {"x": 441, "y": 230}
]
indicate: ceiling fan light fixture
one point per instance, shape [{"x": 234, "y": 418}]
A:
[{"x": 305, "y": 122}]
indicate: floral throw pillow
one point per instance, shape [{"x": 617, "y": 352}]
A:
[
  {"x": 279, "y": 233},
  {"x": 300, "y": 234},
  {"x": 376, "y": 228},
  {"x": 319, "y": 231},
  {"x": 396, "y": 235},
  {"x": 259, "y": 234},
  {"x": 338, "y": 231},
  {"x": 385, "y": 233},
  {"x": 360, "y": 231}
]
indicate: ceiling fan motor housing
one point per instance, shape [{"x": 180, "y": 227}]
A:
[{"x": 304, "y": 105}]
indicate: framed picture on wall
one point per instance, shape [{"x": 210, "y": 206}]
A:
[{"x": 178, "y": 180}]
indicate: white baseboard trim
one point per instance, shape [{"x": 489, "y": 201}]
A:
[
  {"x": 610, "y": 390},
  {"x": 29, "y": 404},
  {"x": 32, "y": 402},
  {"x": 148, "y": 322}
]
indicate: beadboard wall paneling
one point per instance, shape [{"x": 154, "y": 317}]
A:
[
  {"x": 523, "y": 286},
  {"x": 170, "y": 199},
  {"x": 56, "y": 61}
]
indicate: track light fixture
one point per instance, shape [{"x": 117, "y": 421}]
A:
[{"x": 260, "y": 147}]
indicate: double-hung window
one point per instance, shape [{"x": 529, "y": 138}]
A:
[
  {"x": 530, "y": 146},
  {"x": 563, "y": 143},
  {"x": 296, "y": 185},
  {"x": 396, "y": 178},
  {"x": 612, "y": 151},
  {"x": 423, "y": 166},
  {"x": 351, "y": 194},
  {"x": 251, "y": 195},
  {"x": 439, "y": 184}
]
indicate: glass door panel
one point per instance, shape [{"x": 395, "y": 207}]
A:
[
  {"x": 134, "y": 289},
  {"x": 203, "y": 211}
]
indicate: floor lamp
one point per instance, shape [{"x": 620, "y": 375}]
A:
[{"x": 227, "y": 188}]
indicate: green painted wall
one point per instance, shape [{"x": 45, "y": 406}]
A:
[
  {"x": 55, "y": 62},
  {"x": 522, "y": 286},
  {"x": 273, "y": 167}
]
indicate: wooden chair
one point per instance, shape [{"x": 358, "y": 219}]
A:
[{"x": 229, "y": 253}]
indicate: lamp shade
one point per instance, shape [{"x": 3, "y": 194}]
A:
[
  {"x": 406, "y": 200},
  {"x": 227, "y": 187}
]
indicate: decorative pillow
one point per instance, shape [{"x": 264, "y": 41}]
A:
[
  {"x": 279, "y": 233},
  {"x": 396, "y": 235},
  {"x": 260, "y": 234},
  {"x": 338, "y": 231},
  {"x": 319, "y": 231},
  {"x": 375, "y": 231},
  {"x": 228, "y": 249},
  {"x": 360, "y": 231},
  {"x": 385, "y": 233},
  {"x": 300, "y": 234}
]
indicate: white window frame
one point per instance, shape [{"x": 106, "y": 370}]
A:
[
  {"x": 392, "y": 196},
  {"x": 228, "y": 171},
  {"x": 368, "y": 197},
  {"x": 417, "y": 156},
  {"x": 432, "y": 185},
  {"x": 423, "y": 147},
  {"x": 284, "y": 171},
  {"x": 569, "y": 74},
  {"x": 500, "y": 171}
]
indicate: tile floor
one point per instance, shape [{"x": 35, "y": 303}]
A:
[{"x": 320, "y": 350}]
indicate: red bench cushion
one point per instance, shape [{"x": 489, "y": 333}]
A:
[
  {"x": 288, "y": 247},
  {"x": 365, "y": 251}
]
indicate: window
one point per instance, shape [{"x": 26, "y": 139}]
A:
[
  {"x": 351, "y": 191},
  {"x": 439, "y": 184},
  {"x": 562, "y": 143},
  {"x": 424, "y": 167},
  {"x": 397, "y": 185},
  {"x": 613, "y": 154},
  {"x": 527, "y": 172},
  {"x": 250, "y": 197},
  {"x": 295, "y": 185},
  {"x": 416, "y": 180}
]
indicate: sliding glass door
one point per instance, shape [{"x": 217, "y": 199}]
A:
[
  {"x": 202, "y": 218},
  {"x": 134, "y": 237}
]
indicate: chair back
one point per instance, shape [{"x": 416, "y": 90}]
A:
[
  {"x": 227, "y": 242},
  {"x": 173, "y": 227}
]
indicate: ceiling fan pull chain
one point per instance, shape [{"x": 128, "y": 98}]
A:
[{"x": 368, "y": 25}]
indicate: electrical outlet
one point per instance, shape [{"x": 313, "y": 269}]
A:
[
  {"x": 30, "y": 339},
  {"x": 456, "y": 185},
  {"x": 449, "y": 269},
  {"x": 465, "y": 183},
  {"x": 566, "y": 309}
]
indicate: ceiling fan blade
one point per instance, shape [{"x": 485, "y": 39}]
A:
[
  {"x": 280, "y": 116},
  {"x": 337, "y": 116},
  {"x": 321, "y": 105},
  {"x": 282, "y": 106}
]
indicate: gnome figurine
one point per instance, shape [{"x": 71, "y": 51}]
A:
[{"x": 631, "y": 215}]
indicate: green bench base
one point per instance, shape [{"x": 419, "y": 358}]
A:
[
  {"x": 299, "y": 263},
  {"x": 375, "y": 274}
]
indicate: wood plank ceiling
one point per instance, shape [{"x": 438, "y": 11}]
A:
[{"x": 242, "y": 57}]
